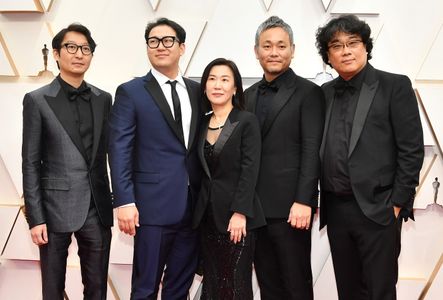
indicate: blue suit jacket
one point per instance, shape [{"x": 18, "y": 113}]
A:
[{"x": 150, "y": 165}]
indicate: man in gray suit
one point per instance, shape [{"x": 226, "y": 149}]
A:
[{"x": 65, "y": 183}]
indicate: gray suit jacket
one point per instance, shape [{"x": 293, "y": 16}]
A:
[{"x": 58, "y": 183}]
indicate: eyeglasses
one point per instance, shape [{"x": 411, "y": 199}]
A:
[
  {"x": 352, "y": 44},
  {"x": 73, "y": 48},
  {"x": 167, "y": 41}
]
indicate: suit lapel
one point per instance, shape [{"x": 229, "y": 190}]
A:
[
  {"x": 368, "y": 89},
  {"x": 225, "y": 134},
  {"x": 201, "y": 146},
  {"x": 281, "y": 98},
  {"x": 156, "y": 92},
  {"x": 194, "y": 98},
  {"x": 251, "y": 101},
  {"x": 97, "y": 104},
  {"x": 60, "y": 105},
  {"x": 329, "y": 95}
]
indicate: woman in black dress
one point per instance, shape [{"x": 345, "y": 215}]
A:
[{"x": 228, "y": 209}]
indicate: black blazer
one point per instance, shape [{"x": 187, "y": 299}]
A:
[
  {"x": 386, "y": 145},
  {"x": 231, "y": 186},
  {"x": 58, "y": 183},
  {"x": 291, "y": 137}
]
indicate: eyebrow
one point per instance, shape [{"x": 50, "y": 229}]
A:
[
  {"x": 72, "y": 42},
  {"x": 352, "y": 36}
]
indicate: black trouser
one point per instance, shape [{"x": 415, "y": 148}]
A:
[
  {"x": 364, "y": 253},
  {"x": 283, "y": 262},
  {"x": 93, "y": 241}
]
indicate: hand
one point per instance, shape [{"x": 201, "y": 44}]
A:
[
  {"x": 397, "y": 210},
  {"x": 237, "y": 227},
  {"x": 39, "y": 234},
  {"x": 300, "y": 216},
  {"x": 127, "y": 219}
]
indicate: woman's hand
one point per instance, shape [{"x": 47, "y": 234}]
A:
[{"x": 237, "y": 227}]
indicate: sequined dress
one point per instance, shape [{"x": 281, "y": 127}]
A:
[{"x": 227, "y": 267}]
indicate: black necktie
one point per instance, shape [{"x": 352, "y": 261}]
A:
[
  {"x": 82, "y": 92},
  {"x": 176, "y": 104}
]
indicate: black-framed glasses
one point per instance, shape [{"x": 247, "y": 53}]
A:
[
  {"x": 73, "y": 48},
  {"x": 167, "y": 41},
  {"x": 351, "y": 44}
]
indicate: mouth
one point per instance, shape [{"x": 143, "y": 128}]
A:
[
  {"x": 347, "y": 61},
  {"x": 217, "y": 94}
]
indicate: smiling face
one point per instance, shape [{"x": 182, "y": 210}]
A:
[
  {"x": 220, "y": 86},
  {"x": 349, "y": 59},
  {"x": 165, "y": 60},
  {"x": 72, "y": 65},
  {"x": 274, "y": 52}
]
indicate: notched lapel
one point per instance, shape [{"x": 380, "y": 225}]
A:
[
  {"x": 281, "y": 98},
  {"x": 224, "y": 137},
  {"x": 201, "y": 147},
  {"x": 59, "y": 104},
  {"x": 193, "y": 98},
  {"x": 156, "y": 92},
  {"x": 251, "y": 102},
  {"x": 361, "y": 112},
  {"x": 329, "y": 96}
]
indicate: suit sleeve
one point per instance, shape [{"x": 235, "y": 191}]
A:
[
  {"x": 250, "y": 164},
  {"x": 408, "y": 135},
  {"x": 122, "y": 130},
  {"x": 31, "y": 162},
  {"x": 311, "y": 131}
]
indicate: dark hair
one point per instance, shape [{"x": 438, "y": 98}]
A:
[
  {"x": 179, "y": 31},
  {"x": 238, "y": 100},
  {"x": 58, "y": 38},
  {"x": 347, "y": 24}
]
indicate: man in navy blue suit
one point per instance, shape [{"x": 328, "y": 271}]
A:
[{"x": 154, "y": 166}]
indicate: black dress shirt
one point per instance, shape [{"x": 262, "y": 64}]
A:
[
  {"x": 335, "y": 167},
  {"x": 266, "y": 93},
  {"x": 80, "y": 104}
]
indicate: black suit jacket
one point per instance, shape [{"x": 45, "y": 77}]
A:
[
  {"x": 291, "y": 137},
  {"x": 386, "y": 145},
  {"x": 58, "y": 183},
  {"x": 231, "y": 185}
]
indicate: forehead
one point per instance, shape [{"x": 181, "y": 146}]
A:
[
  {"x": 76, "y": 37},
  {"x": 274, "y": 35},
  {"x": 162, "y": 30},
  {"x": 221, "y": 70},
  {"x": 343, "y": 36}
]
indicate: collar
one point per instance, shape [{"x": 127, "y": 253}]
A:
[
  {"x": 355, "y": 82},
  {"x": 162, "y": 79}
]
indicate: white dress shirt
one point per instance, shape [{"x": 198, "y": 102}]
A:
[{"x": 185, "y": 103}]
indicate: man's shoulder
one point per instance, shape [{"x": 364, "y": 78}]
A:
[
  {"x": 389, "y": 76},
  {"x": 39, "y": 93},
  {"x": 97, "y": 91},
  {"x": 191, "y": 82}
]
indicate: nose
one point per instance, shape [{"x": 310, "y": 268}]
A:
[
  {"x": 79, "y": 53},
  {"x": 274, "y": 51},
  {"x": 217, "y": 84}
]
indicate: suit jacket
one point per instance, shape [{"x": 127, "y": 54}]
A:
[
  {"x": 150, "y": 165},
  {"x": 231, "y": 186},
  {"x": 386, "y": 145},
  {"x": 291, "y": 137},
  {"x": 58, "y": 183}
]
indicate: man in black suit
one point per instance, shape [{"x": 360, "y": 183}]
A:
[
  {"x": 290, "y": 110},
  {"x": 372, "y": 152},
  {"x": 65, "y": 183}
]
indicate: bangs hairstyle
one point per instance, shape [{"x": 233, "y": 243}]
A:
[{"x": 348, "y": 24}]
